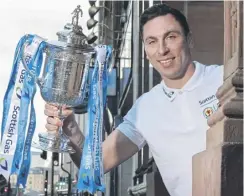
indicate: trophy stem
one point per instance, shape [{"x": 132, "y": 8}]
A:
[
  {"x": 64, "y": 141},
  {"x": 60, "y": 130},
  {"x": 61, "y": 117}
]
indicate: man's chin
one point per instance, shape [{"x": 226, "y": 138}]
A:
[{"x": 172, "y": 76}]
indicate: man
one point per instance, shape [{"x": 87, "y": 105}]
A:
[{"x": 172, "y": 117}]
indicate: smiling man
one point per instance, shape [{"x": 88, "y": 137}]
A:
[{"x": 172, "y": 117}]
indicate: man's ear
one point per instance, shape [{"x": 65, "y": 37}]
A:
[
  {"x": 190, "y": 40},
  {"x": 147, "y": 57},
  {"x": 145, "y": 52}
]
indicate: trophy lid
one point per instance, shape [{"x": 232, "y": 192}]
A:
[{"x": 72, "y": 35}]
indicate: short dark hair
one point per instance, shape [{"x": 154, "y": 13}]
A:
[{"x": 162, "y": 10}]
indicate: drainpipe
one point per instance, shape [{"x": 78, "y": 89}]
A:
[{"x": 135, "y": 62}]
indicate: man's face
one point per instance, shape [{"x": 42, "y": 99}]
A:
[{"x": 166, "y": 46}]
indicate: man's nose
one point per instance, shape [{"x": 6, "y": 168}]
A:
[{"x": 163, "y": 48}]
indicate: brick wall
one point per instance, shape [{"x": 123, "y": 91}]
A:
[{"x": 207, "y": 25}]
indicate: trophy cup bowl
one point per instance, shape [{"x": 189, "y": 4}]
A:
[
  {"x": 63, "y": 81},
  {"x": 64, "y": 77}
]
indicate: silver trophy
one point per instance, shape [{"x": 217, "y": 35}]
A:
[{"x": 64, "y": 78}]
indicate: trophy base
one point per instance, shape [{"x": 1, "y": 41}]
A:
[{"x": 53, "y": 143}]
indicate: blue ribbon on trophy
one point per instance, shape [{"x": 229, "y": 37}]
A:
[
  {"x": 104, "y": 54},
  {"x": 91, "y": 174},
  {"x": 28, "y": 97},
  {"x": 14, "y": 123},
  {"x": 11, "y": 107},
  {"x": 11, "y": 84}
]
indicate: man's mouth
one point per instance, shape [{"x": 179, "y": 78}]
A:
[{"x": 167, "y": 62}]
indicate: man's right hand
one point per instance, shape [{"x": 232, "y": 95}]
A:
[
  {"x": 116, "y": 148},
  {"x": 52, "y": 113}
]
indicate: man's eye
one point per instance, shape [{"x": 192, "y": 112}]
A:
[
  {"x": 151, "y": 42},
  {"x": 171, "y": 37}
]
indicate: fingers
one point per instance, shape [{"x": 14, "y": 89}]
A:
[
  {"x": 52, "y": 113},
  {"x": 50, "y": 107},
  {"x": 66, "y": 112},
  {"x": 51, "y": 110},
  {"x": 54, "y": 121},
  {"x": 53, "y": 124},
  {"x": 51, "y": 128}
]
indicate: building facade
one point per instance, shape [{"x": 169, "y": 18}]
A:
[{"x": 36, "y": 180}]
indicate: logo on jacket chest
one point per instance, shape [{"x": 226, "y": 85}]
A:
[{"x": 209, "y": 105}]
